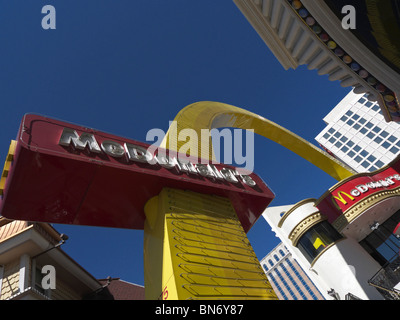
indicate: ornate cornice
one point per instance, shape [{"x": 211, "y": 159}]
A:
[
  {"x": 304, "y": 225},
  {"x": 358, "y": 208},
  {"x": 297, "y": 205}
]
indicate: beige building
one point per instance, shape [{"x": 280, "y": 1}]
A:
[
  {"x": 34, "y": 267},
  {"x": 287, "y": 277}
]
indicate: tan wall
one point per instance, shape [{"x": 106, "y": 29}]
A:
[
  {"x": 63, "y": 292},
  {"x": 10, "y": 284}
]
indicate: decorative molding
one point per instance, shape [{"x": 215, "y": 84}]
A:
[
  {"x": 355, "y": 47},
  {"x": 305, "y": 225},
  {"x": 293, "y": 34},
  {"x": 297, "y": 205},
  {"x": 259, "y": 15},
  {"x": 358, "y": 208}
]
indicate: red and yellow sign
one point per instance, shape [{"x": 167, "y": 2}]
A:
[
  {"x": 351, "y": 191},
  {"x": 65, "y": 173}
]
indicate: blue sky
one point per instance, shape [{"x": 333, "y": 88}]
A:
[{"x": 129, "y": 66}]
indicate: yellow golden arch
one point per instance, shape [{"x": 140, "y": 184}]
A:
[
  {"x": 197, "y": 251},
  {"x": 210, "y": 115}
]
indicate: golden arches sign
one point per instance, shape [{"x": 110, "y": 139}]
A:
[{"x": 210, "y": 115}]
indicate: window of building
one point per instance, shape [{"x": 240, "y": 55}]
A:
[
  {"x": 371, "y": 135},
  {"x": 349, "y": 113},
  {"x": 364, "y": 153},
  {"x": 287, "y": 286},
  {"x": 317, "y": 239},
  {"x": 326, "y": 136},
  {"x": 350, "y": 143},
  {"x": 303, "y": 282},
  {"x": 378, "y": 140},
  {"x": 338, "y": 144},
  {"x": 356, "y": 148},
  {"x": 386, "y": 145},
  {"x": 356, "y": 126},
  {"x": 277, "y": 286},
  {"x": 350, "y": 122},
  {"x": 381, "y": 243},
  {"x": 344, "y": 118},
  {"x": 384, "y": 134},
  {"x": 371, "y": 158},
  {"x": 379, "y": 164},
  {"x": 293, "y": 281},
  {"x": 376, "y": 129},
  {"x": 332, "y": 140},
  {"x": 358, "y": 159},
  {"x": 351, "y": 154},
  {"x": 392, "y": 139},
  {"x": 365, "y": 164},
  {"x": 362, "y": 121},
  {"x": 363, "y": 130},
  {"x": 270, "y": 262},
  {"x": 331, "y": 130},
  {"x": 376, "y": 108},
  {"x": 394, "y": 150},
  {"x": 344, "y": 149},
  {"x": 361, "y": 100},
  {"x": 368, "y": 103},
  {"x": 369, "y": 125}
]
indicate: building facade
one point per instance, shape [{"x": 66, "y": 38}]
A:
[
  {"x": 357, "y": 134},
  {"x": 286, "y": 276},
  {"x": 25, "y": 259},
  {"x": 34, "y": 267},
  {"x": 350, "y": 253},
  {"x": 318, "y": 34}
]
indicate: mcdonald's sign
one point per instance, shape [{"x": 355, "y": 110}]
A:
[
  {"x": 351, "y": 191},
  {"x": 342, "y": 197}
]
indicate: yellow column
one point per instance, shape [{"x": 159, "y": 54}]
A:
[
  {"x": 196, "y": 248},
  {"x": 7, "y": 165}
]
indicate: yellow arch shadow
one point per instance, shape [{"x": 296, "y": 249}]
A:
[{"x": 210, "y": 115}]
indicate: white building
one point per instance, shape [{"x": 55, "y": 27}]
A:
[
  {"x": 357, "y": 134},
  {"x": 343, "y": 265}
]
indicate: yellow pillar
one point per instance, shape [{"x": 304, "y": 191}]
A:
[{"x": 196, "y": 248}]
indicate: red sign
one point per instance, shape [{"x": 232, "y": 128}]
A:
[
  {"x": 351, "y": 191},
  {"x": 64, "y": 173}
]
